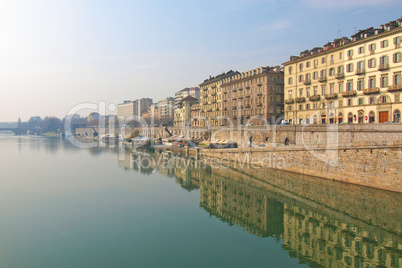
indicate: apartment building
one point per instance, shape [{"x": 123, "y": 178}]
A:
[
  {"x": 166, "y": 108},
  {"x": 211, "y": 99},
  {"x": 182, "y": 115},
  {"x": 192, "y": 91},
  {"x": 253, "y": 97},
  {"x": 356, "y": 80}
]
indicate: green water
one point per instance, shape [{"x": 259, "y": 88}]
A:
[{"x": 61, "y": 206}]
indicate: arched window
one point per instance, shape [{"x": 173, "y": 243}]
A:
[
  {"x": 350, "y": 117},
  {"x": 361, "y": 117},
  {"x": 340, "y": 118}
]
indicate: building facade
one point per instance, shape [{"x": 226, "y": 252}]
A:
[
  {"x": 166, "y": 108},
  {"x": 355, "y": 80},
  {"x": 253, "y": 97},
  {"x": 182, "y": 114},
  {"x": 211, "y": 100},
  {"x": 192, "y": 91}
]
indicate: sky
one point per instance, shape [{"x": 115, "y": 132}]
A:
[{"x": 55, "y": 55}]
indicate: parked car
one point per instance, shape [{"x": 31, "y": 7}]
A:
[{"x": 284, "y": 122}]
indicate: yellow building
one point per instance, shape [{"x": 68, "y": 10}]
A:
[
  {"x": 355, "y": 80},
  {"x": 182, "y": 115},
  {"x": 211, "y": 99}
]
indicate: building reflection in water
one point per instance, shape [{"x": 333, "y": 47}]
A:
[{"x": 316, "y": 229}]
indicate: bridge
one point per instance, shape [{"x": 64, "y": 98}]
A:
[{"x": 22, "y": 131}]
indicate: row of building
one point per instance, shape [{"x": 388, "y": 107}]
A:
[{"x": 356, "y": 80}]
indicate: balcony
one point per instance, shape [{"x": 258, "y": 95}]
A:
[
  {"x": 372, "y": 52},
  {"x": 331, "y": 96},
  {"x": 234, "y": 98},
  {"x": 205, "y": 89},
  {"x": 240, "y": 98},
  {"x": 213, "y": 94},
  {"x": 307, "y": 82},
  {"x": 259, "y": 104},
  {"x": 240, "y": 89},
  {"x": 209, "y": 110},
  {"x": 247, "y": 106},
  {"x": 234, "y": 107},
  {"x": 384, "y": 66},
  {"x": 247, "y": 87},
  {"x": 235, "y": 90},
  {"x": 395, "y": 88},
  {"x": 259, "y": 85},
  {"x": 217, "y": 109},
  {"x": 247, "y": 97},
  {"x": 205, "y": 103},
  {"x": 213, "y": 101},
  {"x": 322, "y": 78},
  {"x": 205, "y": 95},
  {"x": 349, "y": 93},
  {"x": 289, "y": 101},
  {"x": 225, "y": 92},
  {"x": 360, "y": 71},
  {"x": 374, "y": 90},
  {"x": 315, "y": 98},
  {"x": 300, "y": 99},
  {"x": 340, "y": 75},
  {"x": 225, "y": 109}
]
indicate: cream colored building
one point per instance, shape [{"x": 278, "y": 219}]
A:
[
  {"x": 355, "y": 80},
  {"x": 182, "y": 115},
  {"x": 211, "y": 99},
  {"x": 253, "y": 97}
]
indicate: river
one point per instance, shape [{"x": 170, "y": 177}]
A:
[{"x": 62, "y": 206}]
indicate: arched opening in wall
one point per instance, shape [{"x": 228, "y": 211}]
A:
[
  {"x": 397, "y": 116},
  {"x": 360, "y": 117},
  {"x": 331, "y": 118},
  {"x": 350, "y": 117},
  {"x": 371, "y": 117},
  {"x": 286, "y": 141},
  {"x": 340, "y": 118}
]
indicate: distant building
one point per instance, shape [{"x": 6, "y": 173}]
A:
[
  {"x": 355, "y": 80},
  {"x": 166, "y": 108},
  {"x": 133, "y": 108},
  {"x": 182, "y": 115},
  {"x": 253, "y": 97},
  {"x": 193, "y": 92}
]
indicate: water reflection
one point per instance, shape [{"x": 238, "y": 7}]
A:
[{"x": 322, "y": 223}]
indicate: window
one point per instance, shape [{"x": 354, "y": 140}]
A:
[
  {"x": 323, "y": 90},
  {"x": 290, "y": 94},
  {"x": 397, "y": 57},
  {"x": 371, "y": 63},
  {"x": 360, "y": 101},
  {"x": 331, "y": 88},
  {"x": 340, "y": 69},
  {"x": 360, "y": 84},
  {"x": 383, "y": 60},
  {"x": 372, "y": 47},
  {"x": 315, "y": 63},
  {"x": 340, "y": 103},
  {"x": 360, "y": 66},
  {"x": 384, "y": 43},
  {"x": 372, "y": 100},
  {"x": 308, "y": 106},
  {"x": 290, "y": 81},
  {"x": 290, "y": 108},
  {"x": 350, "y": 53},
  {"x": 349, "y": 85},
  {"x": 397, "y": 40},
  {"x": 301, "y": 107},
  {"x": 361, "y": 50},
  {"x": 384, "y": 81},
  {"x": 290, "y": 70},
  {"x": 301, "y": 92},
  {"x": 307, "y": 64},
  {"x": 315, "y": 75},
  {"x": 332, "y": 72},
  {"x": 300, "y": 78},
  {"x": 323, "y": 60},
  {"x": 301, "y": 67},
  {"x": 340, "y": 87},
  {"x": 372, "y": 82},
  {"x": 315, "y": 105},
  {"x": 397, "y": 97},
  {"x": 332, "y": 59},
  {"x": 308, "y": 77},
  {"x": 340, "y": 55},
  {"x": 397, "y": 78},
  {"x": 350, "y": 102},
  {"x": 307, "y": 92},
  {"x": 322, "y": 73},
  {"x": 349, "y": 68}
]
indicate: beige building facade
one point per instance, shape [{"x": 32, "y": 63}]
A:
[
  {"x": 253, "y": 97},
  {"x": 355, "y": 80}
]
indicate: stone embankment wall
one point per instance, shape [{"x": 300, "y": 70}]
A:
[{"x": 378, "y": 167}]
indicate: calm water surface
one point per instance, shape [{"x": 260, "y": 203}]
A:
[{"x": 61, "y": 206}]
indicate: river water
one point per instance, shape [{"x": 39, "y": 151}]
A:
[{"x": 62, "y": 206}]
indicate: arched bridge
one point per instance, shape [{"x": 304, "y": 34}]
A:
[{"x": 21, "y": 131}]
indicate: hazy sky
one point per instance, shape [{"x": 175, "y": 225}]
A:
[{"x": 57, "y": 54}]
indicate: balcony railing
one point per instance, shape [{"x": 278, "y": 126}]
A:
[
  {"x": 240, "y": 98},
  {"x": 331, "y": 96},
  {"x": 259, "y": 94},
  {"x": 300, "y": 99},
  {"x": 307, "y": 82},
  {"x": 247, "y": 87},
  {"x": 395, "y": 88},
  {"x": 259, "y": 85},
  {"x": 374, "y": 90},
  {"x": 384, "y": 66},
  {"x": 240, "y": 89},
  {"x": 315, "y": 98},
  {"x": 289, "y": 101},
  {"x": 340, "y": 75},
  {"x": 349, "y": 93},
  {"x": 322, "y": 78},
  {"x": 360, "y": 71}
]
